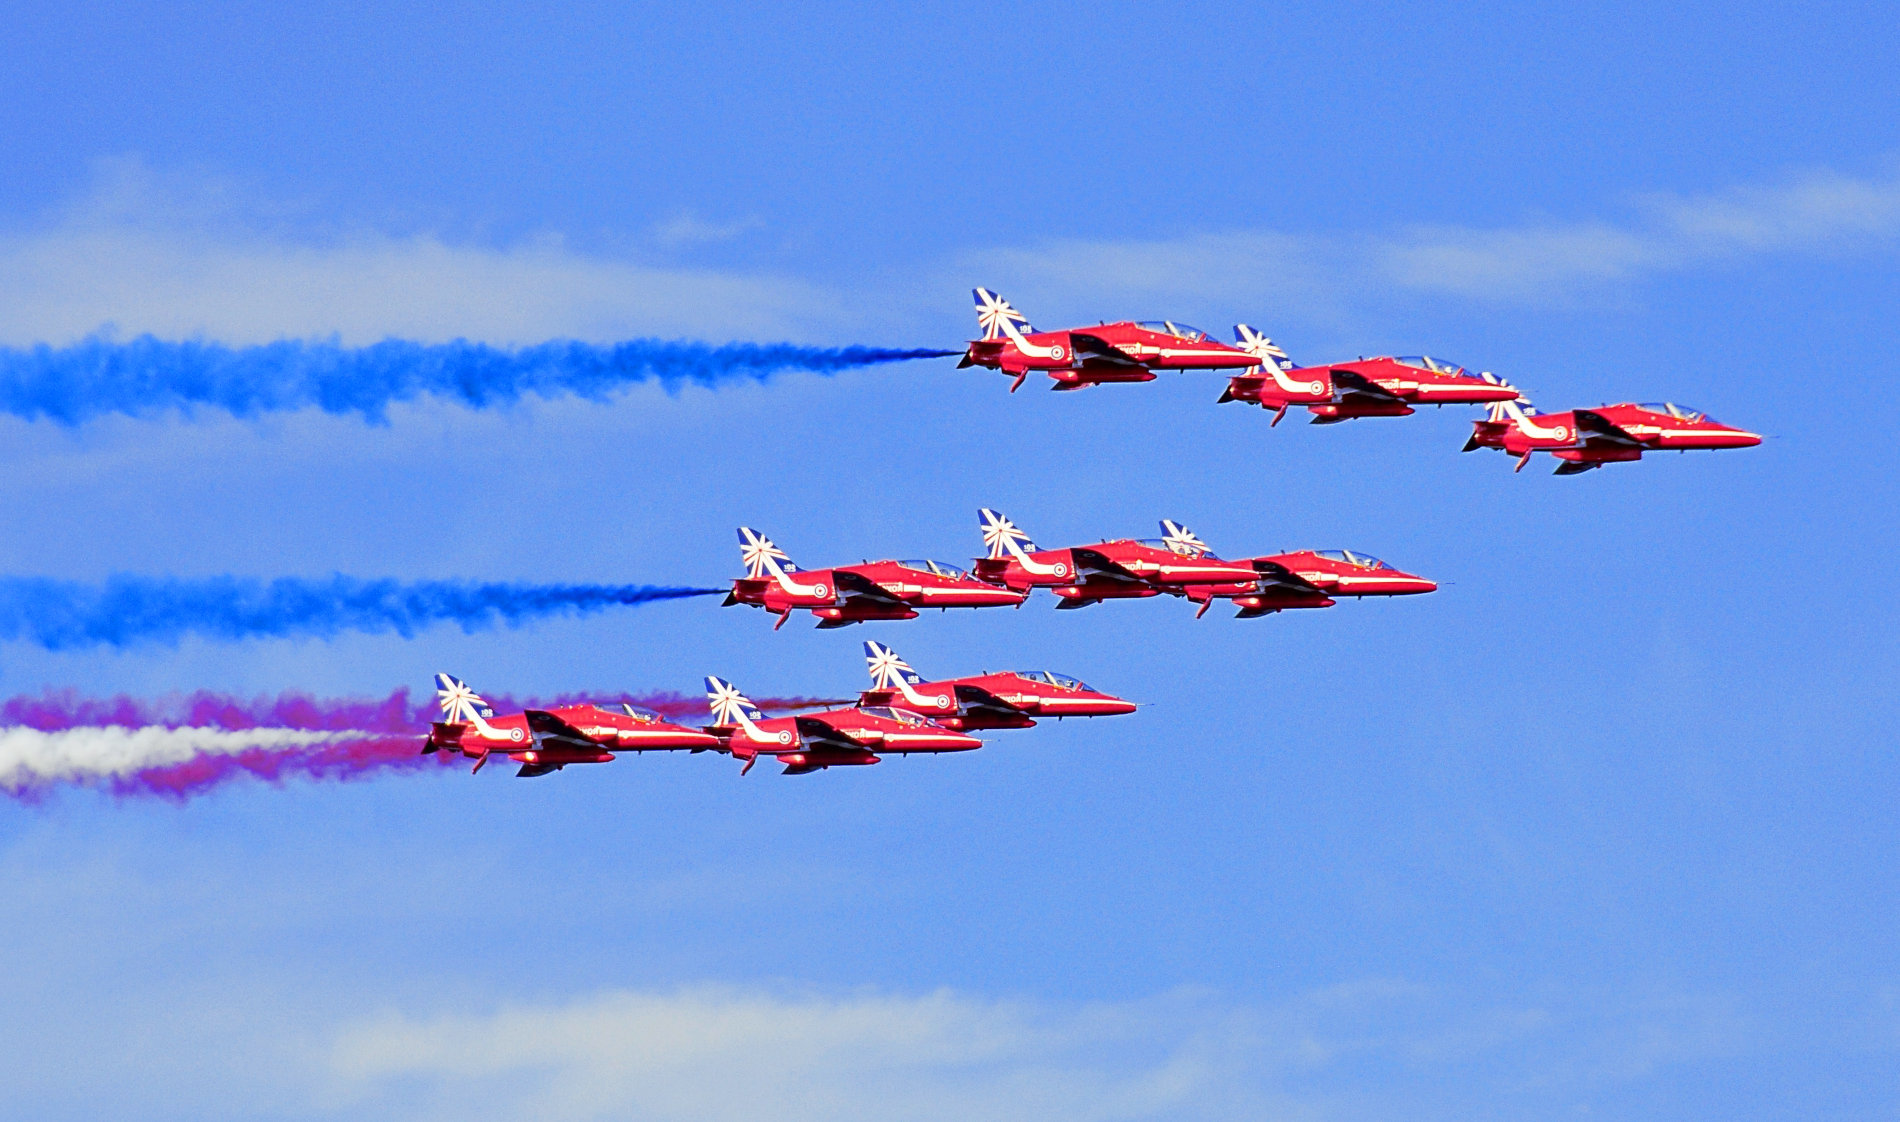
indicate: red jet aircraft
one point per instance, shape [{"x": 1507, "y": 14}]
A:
[
  {"x": 545, "y": 740},
  {"x": 1110, "y": 570},
  {"x": 852, "y": 594},
  {"x": 1109, "y": 352},
  {"x": 1367, "y": 387},
  {"x": 831, "y": 738},
  {"x": 1589, "y": 438},
  {"x": 1008, "y": 700},
  {"x": 1307, "y": 578}
]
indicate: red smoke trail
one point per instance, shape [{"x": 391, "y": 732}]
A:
[
  {"x": 341, "y": 761},
  {"x": 393, "y": 728}
]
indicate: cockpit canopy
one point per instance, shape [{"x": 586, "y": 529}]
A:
[
  {"x": 1058, "y": 680},
  {"x": 1435, "y": 365},
  {"x": 1679, "y": 412},
  {"x": 925, "y": 565},
  {"x": 1363, "y": 560},
  {"x": 1178, "y": 330},
  {"x": 1175, "y": 547},
  {"x": 889, "y": 714},
  {"x": 626, "y": 709}
]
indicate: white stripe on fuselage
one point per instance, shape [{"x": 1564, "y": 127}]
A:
[
  {"x": 1028, "y": 348},
  {"x": 1034, "y": 568},
  {"x": 911, "y": 695},
  {"x": 787, "y": 583}
]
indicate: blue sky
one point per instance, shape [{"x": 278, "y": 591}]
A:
[{"x": 1603, "y": 828}]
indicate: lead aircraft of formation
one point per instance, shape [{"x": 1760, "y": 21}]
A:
[{"x": 1585, "y": 439}]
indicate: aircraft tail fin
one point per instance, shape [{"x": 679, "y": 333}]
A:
[
  {"x": 728, "y": 705},
  {"x": 460, "y": 704},
  {"x": 888, "y": 670},
  {"x": 1180, "y": 539},
  {"x": 1001, "y": 536},
  {"x": 1508, "y": 412},
  {"x": 762, "y": 558},
  {"x": 1261, "y": 347},
  {"x": 993, "y": 313}
]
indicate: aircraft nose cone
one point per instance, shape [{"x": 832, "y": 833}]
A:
[
  {"x": 1114, "y": 706},
  {"x": 1745, "y": 439}
]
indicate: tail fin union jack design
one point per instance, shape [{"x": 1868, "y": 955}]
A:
[
  {"x": 460, "y": 704},
  {"x": 993, "y": 312},
  {"x": 1001, "y": 536},
  {"x": 888, "y": 670}
]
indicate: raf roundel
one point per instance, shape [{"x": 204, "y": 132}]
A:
[
  {"x": 514, "y": 734},
  {"x": 821, "y": 590},
  {"x": 784, "y": 737},
  {"x": 1056, "y": 352},
  {"x": 943, "y": 701},
  {"x": 1062, "y": 569}
]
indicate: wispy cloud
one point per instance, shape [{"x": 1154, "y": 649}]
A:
[
  {"x": 690, "y": 229},
  {"x": 1821, "y": 213},
  {"x": 1530, "y": 263},
  {"x": 716, "y": 1054},
  {"x": 180, "y": 257},
  {"x": 1348, "y": 1051},
  {"x": 143, "y": 253}
]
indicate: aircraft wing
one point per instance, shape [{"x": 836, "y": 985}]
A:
[
  {"x": 1089, "y": 563},
  {"x": 816, "y": 732},
  {"x": 976, "y": 697},
  {"x": 1350, "y": 381},
  {"x": 1098, "y": 351},
  {"x": 857, "y": 586},
  {"x": 1597, "y": 429},
  {"x": 1276, "y": 575},
  {"x": 544, "y": 724}
]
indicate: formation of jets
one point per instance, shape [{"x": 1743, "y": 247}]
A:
[
  {"x": 1176, "y": 564},
  {"x": 1382, "y": 386},
  {"x": 902, "y": 713}
]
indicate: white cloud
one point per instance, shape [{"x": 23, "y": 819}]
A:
[
  {"x": 144, "y": 254},
  {"x": 180, "y": 257},
  {"x": 690, "y": 229},
  {"x": 716, "y": 1054},
  {"x": 1536, "y": 262},
  {"x": 1821, "y": 213}
]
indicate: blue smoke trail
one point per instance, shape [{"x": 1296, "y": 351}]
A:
[
  {"x": 147, "y": 376},
  {"x": 129, "y": 610}
]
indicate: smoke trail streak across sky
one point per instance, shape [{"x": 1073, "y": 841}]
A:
[
  {"x": 129, "y": 610},
  {"x": 147, "y": 376},
  {"x": 186, "y": 745}
]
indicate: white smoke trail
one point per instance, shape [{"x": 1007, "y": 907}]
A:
[{"x": 30, "y": 757}]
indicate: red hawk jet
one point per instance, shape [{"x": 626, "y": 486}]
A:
[
  {"x": 1307, "y": 578},
  {"x": 545, "y": 740},
  {"x": 1108, "y": 352},
  {"x": 1110, "y": 570},
  {"x": 1589, "y": 438},
  {"x": 855, "y": 593},
  {"x": 1007, "y": 700},
  {"x": 1367, "y": 387},
  {"x": 831, "y": 738}
]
